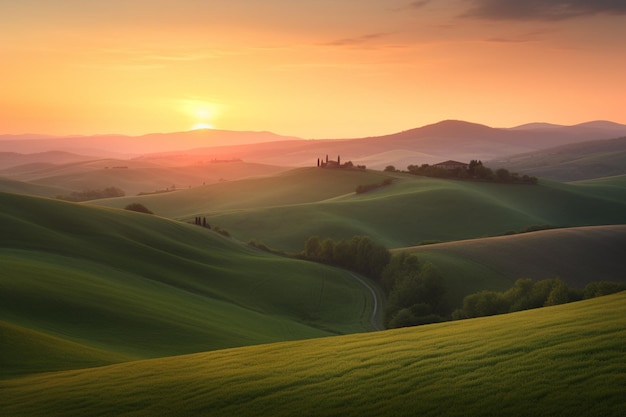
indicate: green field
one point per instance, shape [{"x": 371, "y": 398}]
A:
[
  {"x": 284, "y": 210},
  {"x": 577, "y": 255},
  {"x": 81, "y": 284},
  {"x": 557, "y": 361}
]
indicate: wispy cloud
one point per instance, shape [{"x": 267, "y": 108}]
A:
[
  {"x": 542, "y": 9},
  {"x": 359, "y": 40},
  {"x": 419, "y": 4},
  {"x": 535, "y": 36}
]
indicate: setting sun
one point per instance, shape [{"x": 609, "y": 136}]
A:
[{"x": 201, "y": 126}]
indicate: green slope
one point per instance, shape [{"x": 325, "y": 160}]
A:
[
  {"x": 577, "y": 255},
  {"x": 564, "y": 360},
  {"x": 416, "y": 209},
  {"x": 8, "y": 185},
  {"x": 297, "y": 186},
  {"x": 573, "y": 162},
  {"x": 135, "y": 285}
]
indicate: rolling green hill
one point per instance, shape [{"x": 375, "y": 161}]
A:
[
  {"x": 284, "y": 210},
  {"x": 564, "y": 360},
  {"x": 82, "y": 284},
  {"x": 572, "y": 162},
  {"x": 577, "y": 255}
]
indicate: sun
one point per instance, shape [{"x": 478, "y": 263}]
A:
[{"x": 201, "y": 126}]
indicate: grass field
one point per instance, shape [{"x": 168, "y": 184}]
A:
[
  {"x": 412, "y": 210},
  {"x": 577, "y": 255},
  {"x": 86, "y": 284},
  {"x": 556, "y": 361}
]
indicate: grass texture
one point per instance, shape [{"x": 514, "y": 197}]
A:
[
  {"x": 556, "y": 361},
  {"x": 90, "y": 284}
]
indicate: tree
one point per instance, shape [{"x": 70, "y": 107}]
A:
[
  {"x": 138, "y": 207},
  {"x": 390, "y": 168},
  {"x": 312, "y": 248}
]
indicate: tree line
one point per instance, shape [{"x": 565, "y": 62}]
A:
[
  {"x": 415, "y": 291},
  {"x": 528, "y": 294},
  {"x": 475, "y": 171},
  {"x": 86, "y": 195}
]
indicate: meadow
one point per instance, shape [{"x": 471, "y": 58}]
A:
[
  {"x": 556, "y": 361},
  {"x": 577, "y": 255},
  {"x": 284, "y": 210},
  {"x": 95, "y": 285}
]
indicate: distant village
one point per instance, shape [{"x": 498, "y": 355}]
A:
[{"x": 475, "y": 170}]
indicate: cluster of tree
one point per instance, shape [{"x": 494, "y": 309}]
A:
[
  {"x": 415, "y": 292},
  {"x": 527, "y": 294},
  {"x": 201, "y": 221},
  {"x": 359, "y": 254},
  {"x": 138, "y": 208},
  {"x": 360, "y": 189},
  {"x": 476, "y": 171},
  {"x": 93, "y": 194}
]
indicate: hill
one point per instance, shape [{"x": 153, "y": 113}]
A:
[
  {"x": 563, "y": 360},
  {"x": 91, "y": 285},
  {"x": 122, "y": 146},
  {"x": 133, "y": 176},
  {"x": 577, "y": 255},
  {"x": 449, "y": 139},
  {"x": 284, "y": 210},
  {"x": 573, "y": 162}
]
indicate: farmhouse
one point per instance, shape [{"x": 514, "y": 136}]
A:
[
  {"x": 329, "y": 163},
  {"x": 451, "y": 165}
]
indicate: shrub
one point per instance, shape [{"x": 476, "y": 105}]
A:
[{"x": 138, "y": 208}]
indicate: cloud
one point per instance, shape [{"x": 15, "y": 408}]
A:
[
  {"x": 419, "y": 4},
  {"x": 542, "y": 9},
  {"x": 357, "y": 40}
]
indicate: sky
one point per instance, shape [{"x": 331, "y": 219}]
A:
[{"x": 313, "y": 69}]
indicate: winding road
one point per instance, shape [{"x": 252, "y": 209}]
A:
[{"x": 374, "y": 318}]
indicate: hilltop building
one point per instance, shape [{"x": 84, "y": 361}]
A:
[{"x": 330, "y": 163}]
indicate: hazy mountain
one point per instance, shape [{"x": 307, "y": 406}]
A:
[
  {"x": 13, "y": 159},
  {"x": 116, "y": 146},
  {"x": 450, "y": 139},
  {"x": 434, "y": 143}
]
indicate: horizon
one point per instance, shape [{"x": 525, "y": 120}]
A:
[
  {"x": 45, "y": 135},
  {"x": 305, "y": 69}
]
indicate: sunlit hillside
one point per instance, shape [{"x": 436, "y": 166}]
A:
[
  {"x": 577, "y": 255},
  {"x": 563, "y": 360},
  {"x": 284, "y": 210},
  {"x": 87, "y": 285},
  {"x": 135, "y": 176}
]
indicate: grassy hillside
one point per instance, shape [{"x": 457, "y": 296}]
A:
[
  {"x": 136, "y": 176},
  {"x": 8, "y": 185},
  {"x": 284, "y": 210},
  {"x": 414, "y": 209},
  {"x": 294, "y": 187},
  {"x": 117, "y": 284},
  {"x": 563, "y": 360},
  {"x": 577, "y": 255},
  {"x": 579, "y": 161}
]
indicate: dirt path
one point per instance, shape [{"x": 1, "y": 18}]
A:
[{"x": 374, "y": 318}]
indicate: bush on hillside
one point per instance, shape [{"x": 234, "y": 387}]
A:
[
  {"x": 138, "y": 208},
  {"x": 86, "y": 195}
]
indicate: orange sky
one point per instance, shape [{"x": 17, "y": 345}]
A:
[{"x": 315, "y": 69}]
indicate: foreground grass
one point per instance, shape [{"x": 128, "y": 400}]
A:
[{"x": 556, "y": 361}]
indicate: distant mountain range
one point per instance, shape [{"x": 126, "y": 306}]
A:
[{"x": 450, "y": 139}]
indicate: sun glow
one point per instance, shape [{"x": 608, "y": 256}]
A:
[{"x": 201, "y": 126}]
